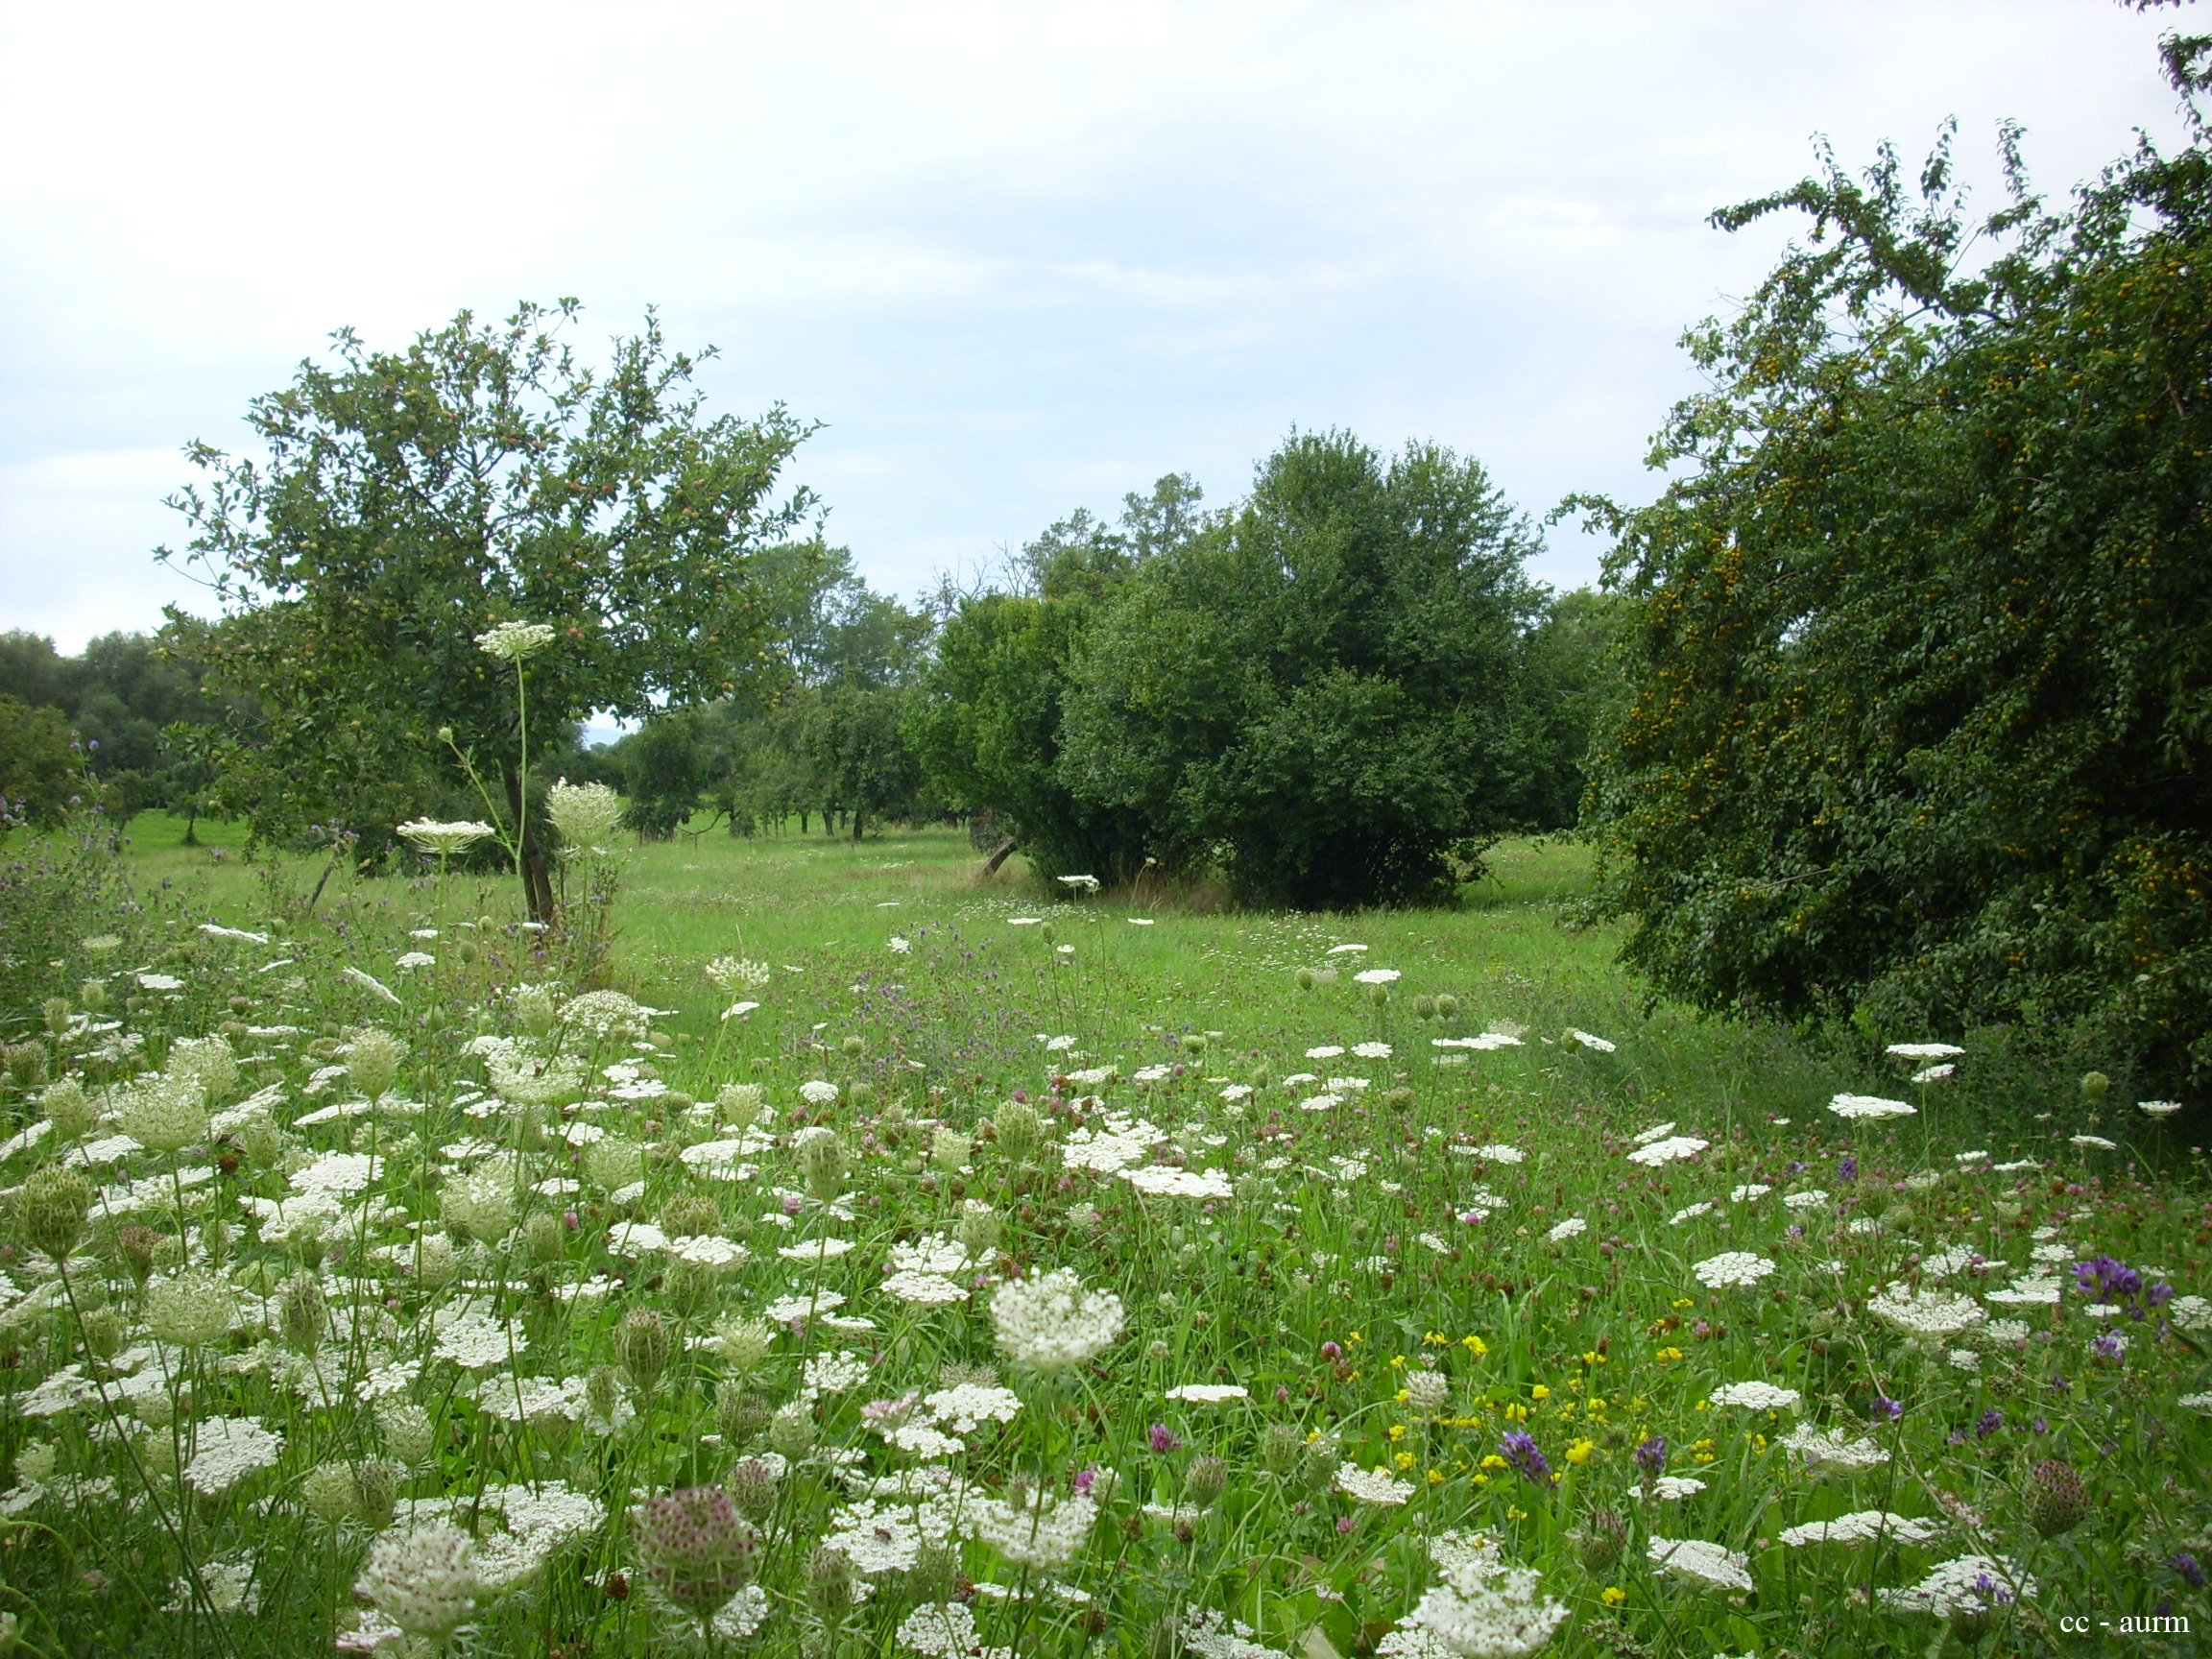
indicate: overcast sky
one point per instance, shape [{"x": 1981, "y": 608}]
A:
[{"x": 1016, "y": 257}]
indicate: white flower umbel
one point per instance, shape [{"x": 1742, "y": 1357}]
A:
[
  {"x": 1758, "y": 1396},
  {"x": 1035, "y": 1530},
  {"x": 1700, "y": 1561},
  {"x": 423, "y": 1581},
  {"x": 1831, "y": 1450},
  {"x": 516, "y": 641},
  {"x": 226, "y": 1450},
  {"x": 1668, "y": 1151},
  {"x": 1869, "y": 1106},
  {"x": 443, "y": 840},
  {"x": 1484, "y": 1613},
  {"x": 1930, "y": 1313},
  {"x": 1732, "y": 1268},
  {"x": 587, "y": 816},
  {"x": 1861, "y": 1526},
  {"x": 1924, "y": 1050},
  {"x": 1969, "y": 1585},
  {"x": 1049, "y": 1323},
  {"x": 1372, "y": 1485}
]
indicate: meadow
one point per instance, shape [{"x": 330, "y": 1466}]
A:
[{"x": 871, "y": 1261}]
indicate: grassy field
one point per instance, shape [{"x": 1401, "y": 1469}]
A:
[{"x": 961, "y": 1270}]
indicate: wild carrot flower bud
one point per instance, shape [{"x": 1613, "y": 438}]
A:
[
  {"x": 544, "y": 1239},
  {"x": 695, "y": 1545},
  {"x": 1280, "y": 1447},
  {"x": 423, "y": 1581},
  {"x": 68, "y": 1110},
  {"x": 978, "y": 1232},
  {"x": 2095, "y": 1085},
  {"x": 739, "y": 1105},
  {"x": 302, "y": 1312},
  {"x": 823, "y": 1164},
  {"x": 949, "y": 1151},
  {"x": 751, "y": 1483},
  {"x": 54, "y": 1012},
  {"x": 262, "y": 1142},
  {"x": 2056, "y": 1499},
  {"x": 934, "y": 1578},
  {"x": 376, "y": 1491},
  {"x": 740, "y": 1416},
  {"x": 643, "y": 1346},
  {"x": 163, "y": 1112},
  {"x": 1018, "y": 1131},
  {"x": 372, "y": 1059},
  {"x": 603, "y": 1391},
  {"x": 406, "y": 1429},
  {"x": 1604, "y": 1538},
  {"x": 829, "y": 1586},
  {"x": 1208, "y": 1479},
  {"x": 743, "y": 1343},
  {"x": 614, "y": 1163},
  {"x": 103, "y": 1329},
  {"x": 329, "y": 1492},
  {"x": 536, "y": 1007},
  {"x": 792, "y": 1432},
  {"x": 1317, "y": 1464},
  {"x": 190, "y": 1309},
  {"x": 1447, "y": 1006},
  {"x": 51, "y": 1210}
]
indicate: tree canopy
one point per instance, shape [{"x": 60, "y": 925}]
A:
[
  {"x": 409, "y": 500},
  {"x": 1922, "y": 626}
]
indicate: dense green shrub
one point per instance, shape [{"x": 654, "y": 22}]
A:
[
  {"x": 1324, "y": 695},
  {"x": 1922, "y": 728}
]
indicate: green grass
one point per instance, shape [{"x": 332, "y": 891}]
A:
[{"x": 1333, "y": 1259}]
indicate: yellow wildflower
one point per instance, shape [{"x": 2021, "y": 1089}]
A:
[
  {"x": 1581, "y": 1450},
  {"x": 1613, "y": 1595}
]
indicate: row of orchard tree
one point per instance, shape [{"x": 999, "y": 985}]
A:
[{"x": 1897, "y": 709}]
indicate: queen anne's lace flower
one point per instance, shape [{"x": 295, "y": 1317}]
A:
[
  {"x": 1824, "y": 1449},
  {"x": 1668, "y": 1151},
  {"x": 516, "y": 641},
  {"x": 1969, "y": 1585},
  {"x": 1038, "y": 1531},
  {"x": 1926, "y": 1312},
  {"x": 1859, "y": 1527},
  {"x": 225, "y": 1450},
  {"x": 1731, "y": 1268},
  {"x": 1758, "y": 1396},
  {"x": 1857, "y": 1106},
  {"x": 1702, "y": 1562},
  {"x": 423, "y": 1581},
  {"x": 442, "y": 840},
  {"x": 1482, "y": 1609},
  {"x": 1372, "y": 1485},
  {"x": 1050, "y": 1322}
]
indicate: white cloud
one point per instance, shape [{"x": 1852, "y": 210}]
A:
[{"x": 1017, "y": 257}]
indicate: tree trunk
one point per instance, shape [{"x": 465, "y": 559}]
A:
[
  {"x": 855, "y": 825},
  {"x": 999, "y": 856},
  {"x": 537, "y": 878}
]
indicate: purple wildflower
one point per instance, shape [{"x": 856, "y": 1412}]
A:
[
  {"x": 2187, "y": 1565},
  {"x": 1989, "y": 1422},
  {"x": 1165, "y": 1438},
  {"x": 1651, "y": 1455},
  {"x": 2108, "y": 1346},
  {"x": 1848, "y": 1168},
  {"x": 1886, "y": 1409},
  {"x": 1520, "y": 1449}
]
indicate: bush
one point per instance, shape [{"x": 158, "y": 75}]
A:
[{"x": 1325, "y": 695}]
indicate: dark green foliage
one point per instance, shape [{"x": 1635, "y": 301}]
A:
[
  {"x": 1324, "y": 695},
  {"x": 138, "y": 707},
  {"x": 987, "y": 727},
  {"x": 412, "y": 499},
  {"x": 58, "y": 890},
  {"x": 1922, "y": 651},
  {"x": 40, "y": 768}
]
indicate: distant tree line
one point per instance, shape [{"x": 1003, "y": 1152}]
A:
[{"x": 122, "y": 720}]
